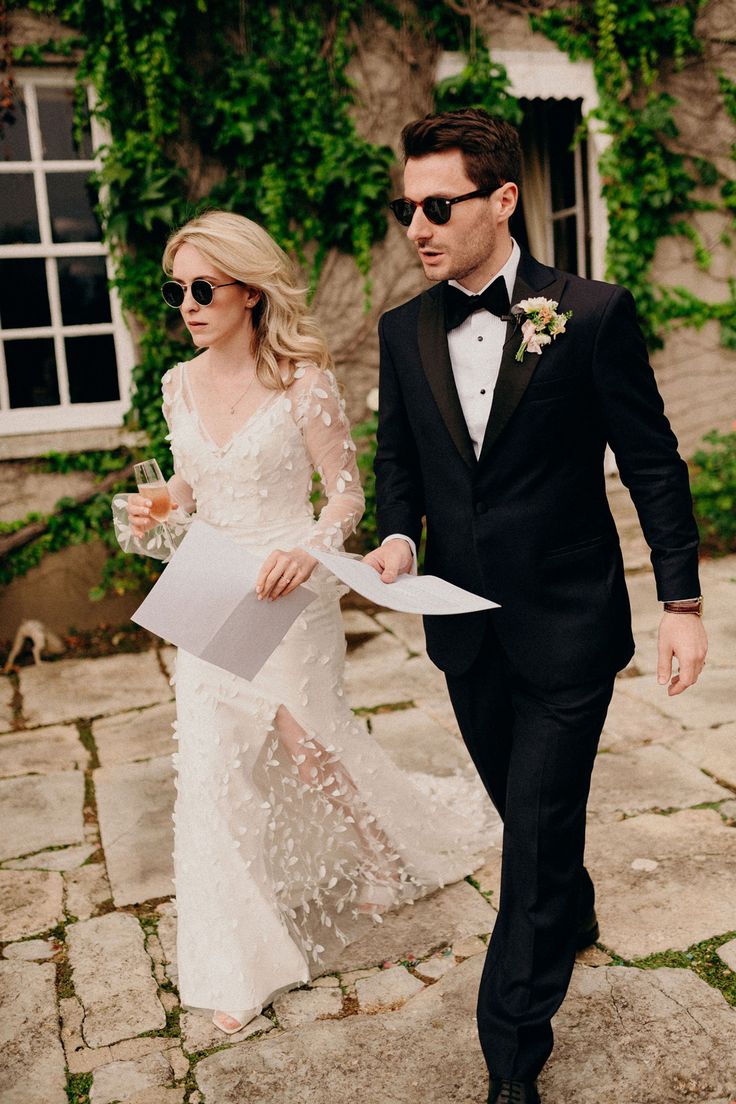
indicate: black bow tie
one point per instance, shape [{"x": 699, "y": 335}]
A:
[{"x": 459, "y": 306}]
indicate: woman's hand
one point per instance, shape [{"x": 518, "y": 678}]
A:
[
  {"x": 139, "y": 514},
  {"x": 283, "y": 572}
]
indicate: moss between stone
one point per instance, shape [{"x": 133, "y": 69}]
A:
[
  {"x": 78, "y": 1086},
  {"x": 701, "y": 958},
  {"x": 387, "y": 707},
  {"x": 486, "y": 893}
]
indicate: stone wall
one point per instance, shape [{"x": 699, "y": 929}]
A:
[{"x": 394, "y": 73}]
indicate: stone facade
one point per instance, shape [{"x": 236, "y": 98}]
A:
[{"x": 395, "y": 72}]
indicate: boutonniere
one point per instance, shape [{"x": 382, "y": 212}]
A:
[{"x": 542, "y": 324}]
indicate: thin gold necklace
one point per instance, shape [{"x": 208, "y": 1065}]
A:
[{"x": 250, "y": 384}]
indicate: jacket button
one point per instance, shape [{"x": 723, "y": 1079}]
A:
[{"x": 481, "y": 507}]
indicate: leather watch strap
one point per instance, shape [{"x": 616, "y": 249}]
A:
[{"x": 690, "y": 605}]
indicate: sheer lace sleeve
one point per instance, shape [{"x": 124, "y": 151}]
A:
[
  {"x": 159, "y": 542},
  {"x": 319, "y": 412}
]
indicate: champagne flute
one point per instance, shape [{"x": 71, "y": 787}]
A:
[{"x": 152, "y": 484}]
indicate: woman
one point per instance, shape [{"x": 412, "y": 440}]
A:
[{"x": 289, "y": 821}]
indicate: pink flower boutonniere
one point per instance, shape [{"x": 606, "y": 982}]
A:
[{"x": 542, "y": 324}]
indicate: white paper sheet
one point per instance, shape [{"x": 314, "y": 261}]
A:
[
  {"x": 409, "y": 594},
  {"x": 205, "y": 602}
]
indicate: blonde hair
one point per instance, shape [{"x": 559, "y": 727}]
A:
[{"x": 284, "y": 332}]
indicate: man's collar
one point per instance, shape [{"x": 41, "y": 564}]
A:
[{"x": 508, "y": 272}]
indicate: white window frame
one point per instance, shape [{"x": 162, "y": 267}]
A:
[
  {"x": 549, "y": 74},
  {"x": 65, "y": 415}
]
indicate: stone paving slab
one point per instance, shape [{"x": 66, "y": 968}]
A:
[
  {"x": 663, "y": 882},
  {"x": 73, "y": 688},
  {"x": 55, "y": 748},
  {"x": 30, "y": 902},
  {"x": 135, "y": 803},
  {"x": 713, "y": 750},
  {"x": 121, "y": 1080},
  {"x": 711, "y": 702},
  {"x": 31, "y": 1056},
  {"x": 66, "y": 858},
  {"x": 407, "y": 627},
  {"x": 379, "y": 673},
  {"x": 727, "y": 953},
  {"x": 356, "y": 623},
  {"x": 83, "y": 1059},
  {"x": 415, "y": 742},
  {"x": 648, "y": 778},
  {"x": 387, "y": 989},
  {"x": 644, "y": 1036},
  {"x": 302, "y": 1006},
  {"x": 425, "y": 1052},
  {"x": 167, "y": 937},
  {"x": 631, "y": 722},
  {"x": 32, "y": 950},
  {"x": 87, "y": 888},
  {"x": 438, "y": 707},
  {"x": 129, "y": 737},
  {"x": 199, "y": 1033},
  {"x": 7, "y": 691},
  {"x": 445, "y": 917},
  {"x": 41, "y": 811},
  {"x": 112, "y": 978}
]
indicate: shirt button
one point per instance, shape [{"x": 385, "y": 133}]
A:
[
  {"x": 480, "y": 507},
  {"x": 480, "y": 337},
  {"x": 482, "y": 390}
]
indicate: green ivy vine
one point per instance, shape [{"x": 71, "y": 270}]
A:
[
  {"x": 265, "y": 100},
  {"x": 651, "y": 189}
]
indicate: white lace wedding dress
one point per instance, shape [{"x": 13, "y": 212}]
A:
[{"x": 291, "y": 823}]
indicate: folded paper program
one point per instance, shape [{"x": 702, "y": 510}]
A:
[{"x": 409, "y": 594}]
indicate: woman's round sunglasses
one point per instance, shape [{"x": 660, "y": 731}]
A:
[
  {"x": 436, "y": 208},
  {"x": 202, "y": 291}
]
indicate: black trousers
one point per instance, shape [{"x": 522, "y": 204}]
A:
[{"x": 534, "y": 750}]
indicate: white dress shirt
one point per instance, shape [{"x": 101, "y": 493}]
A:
[{"x": 475, "y": 355}]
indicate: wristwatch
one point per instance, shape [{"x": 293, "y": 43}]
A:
[{"x": 686, "y": 605}]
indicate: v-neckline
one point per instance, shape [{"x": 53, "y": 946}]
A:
[{"x": 204, "y": 432}]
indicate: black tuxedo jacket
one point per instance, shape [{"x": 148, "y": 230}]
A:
[{"x": 528, "y": 523}]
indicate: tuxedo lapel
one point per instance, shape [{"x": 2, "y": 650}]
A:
[
  {"x": 514, "y": 376},
  {"x": 435, "y": 355}
]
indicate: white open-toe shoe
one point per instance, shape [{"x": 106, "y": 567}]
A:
[{"x": 232, "y": 1022}]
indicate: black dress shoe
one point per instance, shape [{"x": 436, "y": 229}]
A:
[
  {"x": 588, "y": 932},
  {"x": 513, "y": 1092}
]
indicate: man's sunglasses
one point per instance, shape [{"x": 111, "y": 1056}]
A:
[
  {"x": 436, "y": 208},
  {"x": 202, "y": 291}
]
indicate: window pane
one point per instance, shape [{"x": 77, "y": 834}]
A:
[
  {"x": 18, "y": 218},
  {"x": 71, "y": 203},
  {"x": 56, "y": 114},
  {"x": 24, "y": 297},
  {"x": 563, "y": 118},
  {"x": 92, "y": 368},
  {"x": 566, "y": 244},
  {"x": 14, "y": 144},
  {"x": 83, "y": 287},
  {"x": 31, "y": 367}
]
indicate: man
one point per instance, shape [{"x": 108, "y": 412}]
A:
[{"x": 494, "y": 415}]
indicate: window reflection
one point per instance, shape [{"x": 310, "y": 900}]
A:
[
  {"x": 92, "y": 369},
  {"x": 19, "y": 222},
  {"x": 14, "y": 144},
  {"x": 24, "y": 299},
  {"x": 83, "y": 289},
  {"x": 56, "y": 115},
  {"x": 71, "y": 205},
  {"x": 31, "y": 368}
]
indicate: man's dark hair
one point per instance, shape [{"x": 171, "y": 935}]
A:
[{"x": 490, "y": 146}]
